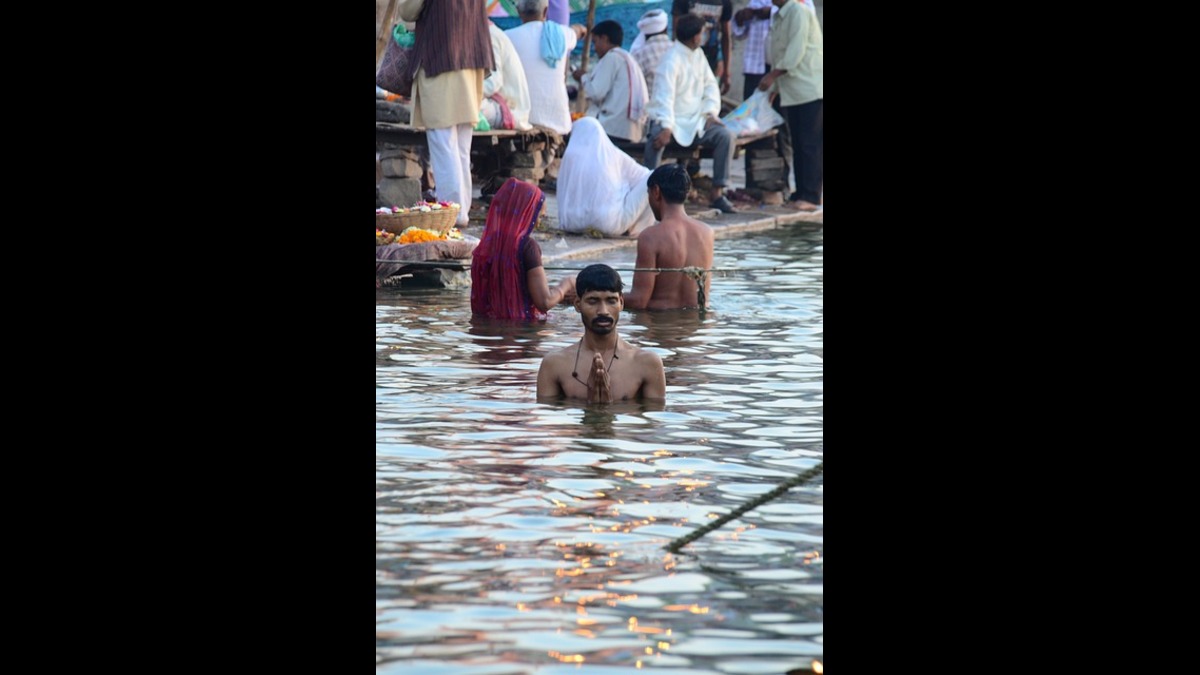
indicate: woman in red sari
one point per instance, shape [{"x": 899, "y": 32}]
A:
[{"x": 507, "y": 277}]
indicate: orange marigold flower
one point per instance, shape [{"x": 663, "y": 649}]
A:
[{"x": 415, "y": 235}]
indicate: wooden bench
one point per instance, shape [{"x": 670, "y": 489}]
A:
[
  {"x": 495, "y": 155},
  {"x": 501, "y": 153},
  {"x": 410, "y": 136},
  {"x": 695, "y": 151}
]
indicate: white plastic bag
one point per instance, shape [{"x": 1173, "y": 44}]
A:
[{"x": 753, "y": 116}]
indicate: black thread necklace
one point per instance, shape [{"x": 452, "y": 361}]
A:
[{"x": 575, "y": 368}]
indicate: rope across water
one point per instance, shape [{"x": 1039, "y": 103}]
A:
[
  {"x": 723, "y": 271},
  {"x": 695, "y": 273},
  {"x": 790, "y": 483}
]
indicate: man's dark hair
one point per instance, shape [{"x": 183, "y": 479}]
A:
[
  {"x": 687, "y": 27},
  {"x": 611, "y": 30},
  {"x": 673, "y": 180},
  {"x": 598, "y": 277}
]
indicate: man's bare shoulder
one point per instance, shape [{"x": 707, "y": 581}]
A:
[
  {"x": 558, "y": 356},
  {"x": 700, "y": 225},
  {"x": 643, "y": 357},
  {"x": 652, "y": 235}
]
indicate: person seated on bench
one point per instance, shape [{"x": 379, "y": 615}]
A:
[
  {"x": 544, "y": 48},
  {"x": 615, "y": 88},
  {"x": 601, "y": 187},
  {"x": 505, "y": 93},
  {"x": 686, "y": 105}
]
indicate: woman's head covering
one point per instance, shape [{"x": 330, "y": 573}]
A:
[
  {"x": 600, "y": 187},
  {"x": 498, "y": 286}
]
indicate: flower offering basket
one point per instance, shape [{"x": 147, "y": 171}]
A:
[{"x": 435, "y": 220}]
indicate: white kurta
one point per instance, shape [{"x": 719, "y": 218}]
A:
[
  {"x": 685, "y": 91},
  {"x": 549, "y": 105},
  {"x": 609, "y": 88},
  {"x": 508, "y": 78},
  {"x": 450, "y": 99}
]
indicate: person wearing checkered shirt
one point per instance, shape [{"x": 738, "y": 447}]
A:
[{"x": 653, "y": 26}]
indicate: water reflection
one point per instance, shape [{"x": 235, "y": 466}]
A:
[
  {"x": 501, "y": 341},
  {"x": 669, "y": 330}
]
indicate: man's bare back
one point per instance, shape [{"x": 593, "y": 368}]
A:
[{"x": 677, "y": 241}]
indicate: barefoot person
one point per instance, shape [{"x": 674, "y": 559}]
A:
[
  {"x": 678, "y": 240},
  {"x": 601, "y": 367}
]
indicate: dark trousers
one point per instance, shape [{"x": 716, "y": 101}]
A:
[
  {"x": 783, "y": 139},
  {"x": 808, "y": 147},
  {"x": 717, "y": 137}
]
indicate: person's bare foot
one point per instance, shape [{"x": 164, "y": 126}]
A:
[{"x": 801, "y": 205}]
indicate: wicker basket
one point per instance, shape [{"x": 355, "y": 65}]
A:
[{"x": 439, "y": 220}]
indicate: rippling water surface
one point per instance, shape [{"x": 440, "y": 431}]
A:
[{"x": 517, "y": 537}]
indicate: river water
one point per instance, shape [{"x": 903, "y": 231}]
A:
[{"x": 518, "y": 537}]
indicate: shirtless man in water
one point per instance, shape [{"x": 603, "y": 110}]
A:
[
  {"x": 601, "y": 368},
  {"x": 678, "y": 240}
]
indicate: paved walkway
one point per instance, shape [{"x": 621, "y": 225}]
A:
[
  {"x": 724, "y": 226},
  {"x": 751, "y": 219}
]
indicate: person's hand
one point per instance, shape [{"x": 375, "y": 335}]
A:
[
  {"x": 743, "y": 15},
  {"x": 599, "y": 388},
  {"x": 766, "y": 82},
  {"x": 725, "y": 83},
  {"x": 580, "y": 30},
  {"x": 713, "y": 119},
  {"x": 567, "y": 286},
  {"x": 662, "y": 139},
  {"x": 578, "y": 74}
]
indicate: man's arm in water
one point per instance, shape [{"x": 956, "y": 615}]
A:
[
  {"x": 548, "y": 388},
  {"x": 654, "y": 384}
]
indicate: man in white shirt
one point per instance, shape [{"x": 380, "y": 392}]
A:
[
  {"x": 507, "y": 81},
  {"x": 544, "y": 48},
  {"x": 686, "y": 105},
  {"x": 615, "y": 89}
]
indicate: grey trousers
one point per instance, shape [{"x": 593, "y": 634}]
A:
[{"x": 719, "y": 138}]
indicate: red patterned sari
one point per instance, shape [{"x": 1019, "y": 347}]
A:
[{"x": 498, "y": 284}]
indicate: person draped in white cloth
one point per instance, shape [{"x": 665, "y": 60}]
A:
[
  {"x": 600, "y": 187},
  {"x": 506, "y": 86}
]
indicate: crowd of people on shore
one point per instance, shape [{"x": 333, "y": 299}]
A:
[{"x": 660, "y": 91}]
